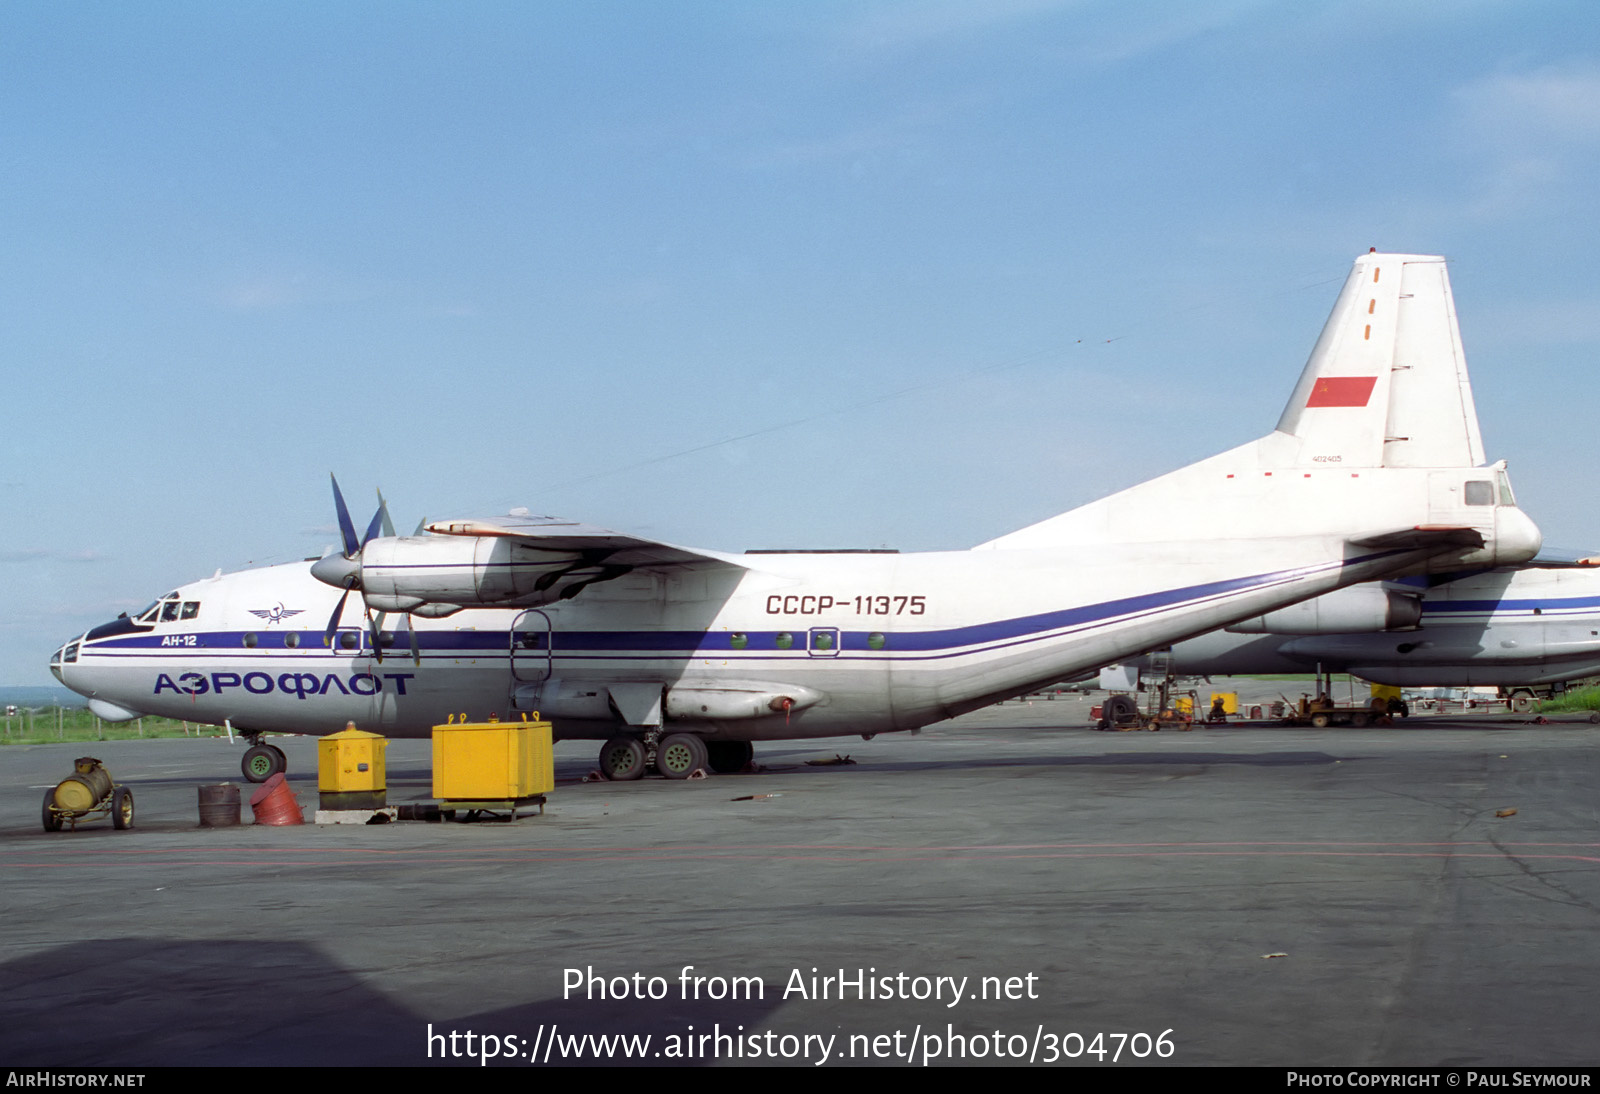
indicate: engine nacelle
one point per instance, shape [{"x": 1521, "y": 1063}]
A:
[
  {"x": 1359, "y": 609},
  {"x": 447, "y": 573}
]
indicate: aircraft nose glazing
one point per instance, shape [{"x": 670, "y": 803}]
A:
[{"x": 66, "y": 654}]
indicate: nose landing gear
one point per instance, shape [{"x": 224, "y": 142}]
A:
[{"x": 260, "y": 761}]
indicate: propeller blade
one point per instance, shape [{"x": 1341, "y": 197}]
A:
[
  {"x": 375, "y": 631},
  {"x": 383, "y": 510},
  {"x": 372, "y": 528},
  {"x": 411, "y": 638},
  {"x": 422, "y": 526},
  {"x": 347, "y": 530},
  {"x": 333, "y": 620}
]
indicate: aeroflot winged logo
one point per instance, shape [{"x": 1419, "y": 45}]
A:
[
  {"x": 275, "y": 615},
  {"x": 1342, "y": 391}
]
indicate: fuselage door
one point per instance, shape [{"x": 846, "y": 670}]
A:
[{"x": 356, "y": 672}]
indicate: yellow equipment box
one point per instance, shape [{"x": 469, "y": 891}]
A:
[
  {"x": 352, "y": 761},
  {"x": 1230, "y": 701},
  {"x": 492, "y": 761}
]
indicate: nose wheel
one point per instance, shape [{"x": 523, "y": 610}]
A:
[{"x": 261, "y": 762}]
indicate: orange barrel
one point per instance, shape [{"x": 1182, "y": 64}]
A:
[
  {"x": 274, "y": 803},
  {"x": 85, "y": 788},
  {"x": 219, "y": 806}
]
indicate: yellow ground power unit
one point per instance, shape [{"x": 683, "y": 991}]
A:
[
  {"x": 351, "y": 770},
  {"x": 499, "y": 762}
]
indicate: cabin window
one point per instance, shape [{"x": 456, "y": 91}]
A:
[
  {"x": 349, "y": 640},
  {"x": 875, "y": 640},
  {"x": 1479, "y": 492},
  {"x": 250, "y": 640},
  {"x": 738, "y": 640},
  {"x": 785, "y": 640},
  {"x": 291, "y": 640}
]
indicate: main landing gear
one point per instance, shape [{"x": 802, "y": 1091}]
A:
[
  {"x": 260, "y": 761},
  {"x": 677, "y": 756}
]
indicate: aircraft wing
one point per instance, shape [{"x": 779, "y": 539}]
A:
[{"x": 559, "y": 534}]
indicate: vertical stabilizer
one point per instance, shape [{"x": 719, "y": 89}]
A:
[
  {"x": 1380, "y": 436},
  {"x": 1386, "y": 385}
]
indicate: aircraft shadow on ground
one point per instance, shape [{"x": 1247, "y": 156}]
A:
[{"x": 130, "y": 1002}]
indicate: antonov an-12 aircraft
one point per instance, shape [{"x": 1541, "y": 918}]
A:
[{"x": 683, "y": 657}]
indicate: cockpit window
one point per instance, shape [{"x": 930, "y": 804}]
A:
[
  {"x": 1506, "y": 497},
  {"x": 149, "y": 614},
  {"x": 169, "y": 611},
  {"x": 191, "y": 609},
  {"x": 1479, "y": 492}
]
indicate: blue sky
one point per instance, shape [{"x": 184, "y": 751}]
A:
[{"x": 741, "y": 274}]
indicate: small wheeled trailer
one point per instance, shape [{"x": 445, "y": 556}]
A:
[{"x": 87, "y": 792}]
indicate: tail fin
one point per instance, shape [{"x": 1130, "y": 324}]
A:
[
  {"x": 1386, "y": 385},
  {"x": 1380, "y": 439}
]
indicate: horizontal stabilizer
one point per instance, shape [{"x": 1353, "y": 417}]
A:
[{"x": 1424, "y": 537}]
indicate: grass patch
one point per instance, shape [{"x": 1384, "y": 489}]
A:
[
  {"x": 52, "y": 725},
  {"x": 1580, "y": 699}
]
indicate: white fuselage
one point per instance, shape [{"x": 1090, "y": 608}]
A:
[{"x": 861, "y": 643}]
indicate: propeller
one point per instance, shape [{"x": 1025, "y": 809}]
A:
[{"x": 343, "y": 570}]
